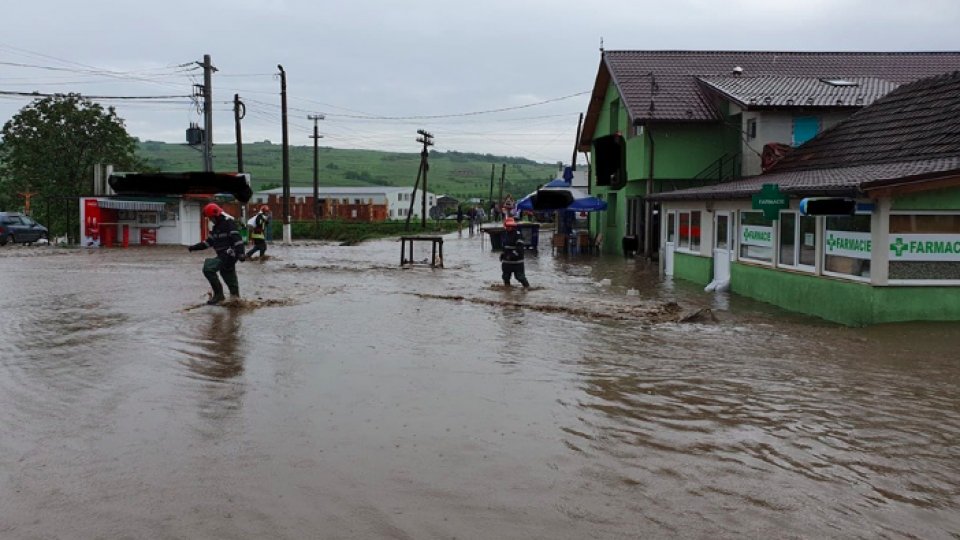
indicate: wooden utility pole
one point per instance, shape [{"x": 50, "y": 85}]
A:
[
  {"x": 316, "y": 167},
  {"x": 208, "y": 70},
  {"x": 427, "y": 140},
  {"x": 287, "y": 232},
  {"x": 239, "y": 111}
]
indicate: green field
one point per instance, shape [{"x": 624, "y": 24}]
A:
[{"x": 460, "y": 175}]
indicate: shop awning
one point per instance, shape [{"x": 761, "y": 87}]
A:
[{"x": 143, "y": 206}]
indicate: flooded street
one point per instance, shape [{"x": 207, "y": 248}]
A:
[{"x": 348, "y": 398}]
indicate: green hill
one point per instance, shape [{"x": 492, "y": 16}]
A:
[{"x": 458, "y": 174}]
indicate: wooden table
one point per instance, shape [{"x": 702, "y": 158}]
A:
[{"x": 436, "y": 246}]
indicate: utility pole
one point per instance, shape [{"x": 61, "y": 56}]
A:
[
  {"x": 208, "y": 70},
  {"x": 239, "y": 111},
  {"x": 287, "y": 232},
  {"x": 503, "y": 175},
  {"x": 427, "y": 140},
  {"x": 493, "y": 170},
  {"x": 316, "y": 168}
]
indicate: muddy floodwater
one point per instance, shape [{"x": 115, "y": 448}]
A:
[{"x": 347, "y": 398}]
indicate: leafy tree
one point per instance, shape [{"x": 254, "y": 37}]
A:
[{"x": 50, "y": 148}]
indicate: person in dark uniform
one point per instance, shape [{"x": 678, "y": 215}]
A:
[
  {"x": 511, "y": 259},
  {"x": 226, "y": 241},
  {"x": 257, "y": 232}
]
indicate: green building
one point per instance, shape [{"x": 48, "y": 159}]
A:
[
  {"x": 878, "y": 238},
  {"x": 660, "y": 121}
]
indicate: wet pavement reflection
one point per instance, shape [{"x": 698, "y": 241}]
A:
[{"x": 347, "y": 398}]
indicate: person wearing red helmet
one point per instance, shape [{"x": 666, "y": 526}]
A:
[
  {"x": 258, "y": 225},
  {"x": 225, "y": 239},
  {"x": 511, "y": 259}
]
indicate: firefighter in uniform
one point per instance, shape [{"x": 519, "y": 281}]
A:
[
  {"x": 226, "y": 241},
  {"x": 511, "y": 259},
  {"x": 260, "y": 222}
]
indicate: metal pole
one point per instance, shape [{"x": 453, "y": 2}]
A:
[{"x": 287, "y": 231}]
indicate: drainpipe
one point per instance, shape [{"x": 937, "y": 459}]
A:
[{"x": 648, "y": 206}]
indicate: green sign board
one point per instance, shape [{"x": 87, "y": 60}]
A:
[{"x": 771, "y": 201}]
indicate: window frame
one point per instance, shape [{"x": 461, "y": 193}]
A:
[
  {"x": 678, "y": 245},
  {"x": 918, "y": 282}
]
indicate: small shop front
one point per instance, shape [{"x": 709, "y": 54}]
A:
[
  {"x": 124, "y": 222},
  {"x": 894, "y": 259}
]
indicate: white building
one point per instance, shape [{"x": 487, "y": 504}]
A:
[{"x": 397, "y": 199}]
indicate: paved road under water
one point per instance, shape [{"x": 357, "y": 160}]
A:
[{"x": 350, "y": 399}]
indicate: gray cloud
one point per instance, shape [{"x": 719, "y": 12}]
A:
[{"x": 408, "y": 59}]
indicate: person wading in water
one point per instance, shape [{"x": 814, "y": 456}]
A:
[
  {"x": 511, "y": 259},
  {"x": 226, "y": 241}
]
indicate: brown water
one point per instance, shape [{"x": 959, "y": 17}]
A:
[{"x": 346, "y": 398}]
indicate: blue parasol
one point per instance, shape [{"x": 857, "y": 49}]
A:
[{"x": 560, "y": 195}]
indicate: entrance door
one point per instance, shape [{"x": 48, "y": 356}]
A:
[
  {"x": 669, "y": 243},
  {"x": 722, "y": 249}
]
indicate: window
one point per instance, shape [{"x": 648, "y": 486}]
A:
[
  {"x": 808, "y": 240},
  {"x": 752, "y": 128},
  {"x": 671, "y": 226},
  {"x": 689, "y": 230},
  {"x": 756, "y": 237},
  {"x": 924, "y": 247},
  {"x": 722, "y": 234},
  {"x": 788, "y": 238},
  {"x": 804, "y": 129},
  {"x": 847, "y": 245},
  {"x": 399, "y": 196}
]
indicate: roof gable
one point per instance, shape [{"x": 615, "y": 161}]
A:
[{"x": 658, "y": 86}]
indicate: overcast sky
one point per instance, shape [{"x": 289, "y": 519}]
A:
[{"x": 367, "y": 65}]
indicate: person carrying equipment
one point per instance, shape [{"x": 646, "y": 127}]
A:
[
  {"x": 226, "y": 241},
  {"x": 258, "y": 225},
  {"x": 511, "y": 259}
]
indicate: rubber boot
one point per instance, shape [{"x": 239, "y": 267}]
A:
[
  {"x": 230, "y": 278},
  {"x": 209, "y": 272}
]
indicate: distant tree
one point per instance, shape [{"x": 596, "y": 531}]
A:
[{"x": 50, "y": 147}]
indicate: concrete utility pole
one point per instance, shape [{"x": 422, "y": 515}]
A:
[
  {"x": 316, "y": 166},
  {"x": 503, "y": 176},
  {"x": 208, "y": 70},
  {"x": 239, "y": 111},
  {"x": 287, "y": 231},
  {"x": 493, "y": 170}
]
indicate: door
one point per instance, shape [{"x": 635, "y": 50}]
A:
[
  {"x": 669, "y": 243},
  {"x": 722, "y": 247}
]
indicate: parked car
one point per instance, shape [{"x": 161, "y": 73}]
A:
[{"x": 18, "y": 228}]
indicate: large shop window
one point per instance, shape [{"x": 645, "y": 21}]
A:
[
  {"x": 847, "y": 245},
  {"x": 689, "y": 230},
  {"x": 756, "y": 237},
  {"x": 924, "y": 247}
]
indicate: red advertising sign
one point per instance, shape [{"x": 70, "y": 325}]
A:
[
  {"x": 148, "y": 237},
  {"x": 91, "y": 220}
]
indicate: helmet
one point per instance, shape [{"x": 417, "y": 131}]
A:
[
  {"x": 212, "y": 210},
  {"x": 509, "y": 222},
  {"x": 265, "y": 209}
]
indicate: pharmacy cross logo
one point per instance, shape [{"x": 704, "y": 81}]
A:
[
  {"x": 899, "y": 247},
  {"x": 832, "y": 242}
]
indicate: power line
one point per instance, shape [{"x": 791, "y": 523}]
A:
[
  {"x": 41, "y": 94},
  {"x": 472, "y": 113}
]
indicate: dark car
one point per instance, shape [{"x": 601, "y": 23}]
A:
[{"x": 18, "y": 228}]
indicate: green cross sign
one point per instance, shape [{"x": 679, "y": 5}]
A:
[
  {"x": 899, "y": 247},
  {"x": 770, "y": 200}
]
